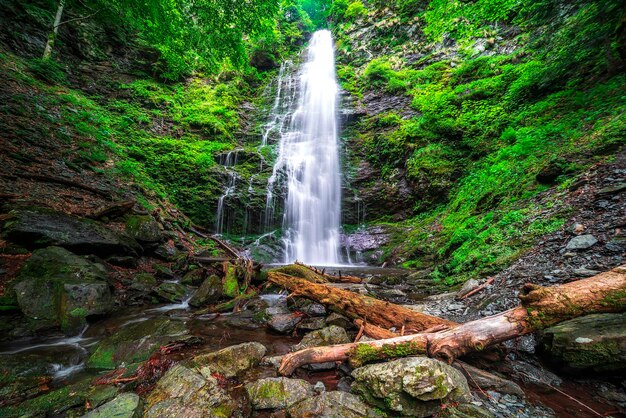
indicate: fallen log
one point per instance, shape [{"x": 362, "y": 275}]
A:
[
  {"x": 353, "y": 305},
  {"x": 331, "y": 277},
  {"x": 540, "y": 308},
  {"x": 475, "y": 289}
]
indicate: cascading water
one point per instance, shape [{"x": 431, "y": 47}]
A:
[
  {"x": 229, "y": 162},
  {"x": 308, "y": 155}
]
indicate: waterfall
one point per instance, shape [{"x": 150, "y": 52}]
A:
[
  {"x": 308, "y": 157},
  {"x": 228, "y": 162}
]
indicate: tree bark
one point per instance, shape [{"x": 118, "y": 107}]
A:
[
  {"x": 541, "y": 307},
  {"x": 47, "y": 52},
  {"x": 376, "y": 312}
]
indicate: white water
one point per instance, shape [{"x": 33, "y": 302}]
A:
[
  {"x": 308, "y": 155},
  {"x": 228, "y": 162}
]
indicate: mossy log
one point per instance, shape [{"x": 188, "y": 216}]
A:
[
  {"x": 540, "y": 308},
  {"x": 353, "y": 305},
  {"x": 340, "y": 278}
]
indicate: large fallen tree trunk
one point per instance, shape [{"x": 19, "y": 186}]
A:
[
  {"x": 541, "y": 307},
  {"x": 376, "y": 312}
]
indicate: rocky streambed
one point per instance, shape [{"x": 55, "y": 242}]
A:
[{"x": 107, "y": 318}]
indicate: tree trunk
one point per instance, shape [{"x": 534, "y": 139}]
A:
[
  {"x": 47, "y": 52},
  {"x": 382, "y": 314},
  {"x": 541, "y": 307}
]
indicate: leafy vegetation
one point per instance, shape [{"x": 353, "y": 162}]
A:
[{"x": 527, "y": 88}]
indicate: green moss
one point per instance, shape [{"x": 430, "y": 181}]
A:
[
  {"x": 365, "y": 353},
  {"x": 102, "y": 358},
  {"x": 230, "y": 282}
]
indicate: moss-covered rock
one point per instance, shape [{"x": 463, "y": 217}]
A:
[
  {"x": 278, "y": 392},
  {"x": 144, "y": 229},
  {"x": 230, "y": 282},
  {"x": 596, "y": 342},
  {"x": 143, "y": 282},
  {"x": 171, "y": 292},
  {"x": 331, "y": 404},
  {"x": 230, "y": 361},
  {"x": 209, "y": 292},
  {"x": 126, "y": 405},
  {"x": 135, "y": 343},
  {"x": 59, "y": 286},
  {"x": 183, "y": 393},
  {"x": 326, "y": 336},
  {"x": 414, "y": 386},
  {"x": 40, "y": 227}
]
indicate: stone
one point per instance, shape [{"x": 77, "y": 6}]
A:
[
  {"x": 183, "y": 393},
  {"x": 312, "y": 324},
  {"x": 163, "y": 272},
  {"x": 40, "y": 227},
  {"x": 412, "y": 386},
  {"x": 485, "y": 380},
  {"x": 581, "y": 242},
  {"x": 62, "y": 287},
  {"x": 593, "y": 342},
  {"x": 194, "y": 277},
  {"x": 613, "y": 189},
  {"x": 467, "y": 287},
  {"x": 126, "y": 405},
  {"x": 135, "y": 342},
  {"x": 230, "y": 361},
  {"x": 144, "y": 229},
  {"x": 143, "y": 282},
  {"x": 278, "y": 392},
  {"x": 171, "y": 292},
  {"x": 326, "y": 336},
  {"x": 584, "y": 272},
  {"x": 331, "y": 405},
  {"x": 335, "y": 319},
  {"x": 210, "y": 292},
  {"x": 284, "y": 323},
  {"x": 465, "y": 410}
]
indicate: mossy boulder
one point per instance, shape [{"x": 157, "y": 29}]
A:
[
  {"x": 143, "y": 282},
  {"x": 593, "y": 342},
  {"x": 66, "y": 401},
  {"x": 59, "y": 286},
  {"x": 171, "y": 292},
  {"x": 126, "y": 405},
  {"x": 413, "y": 386},
  {"x": 278, "y": 392},
  {"x": 194, "y": 277},
  {"x": 135, "y": 343},
  {"x": 209, "y": 292},
  {"x": 330, "y": 405},
  {"x": 144, "y": 229},
  {"x": 183, "y": 393},
  {"x": 40, "y": 227},
  {"x": 230, "y": 361},
  {"x": 326, "y": 336},
  {"x": 230, "y": 282}
]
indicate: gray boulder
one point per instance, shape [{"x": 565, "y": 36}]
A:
[
  {"x": 278, "y": 392},
  {"x": 284, "y": 323},
  {"x": 40, "y": 227},
  {"x": 326, "y": 336},
  {"x": 596, "y": 342},
  {"x": 171, "y": 292},
  {"x": 413, "y": 386},
  {"x": 581, "y": 242},
  {"x": 144, "y": 229}
]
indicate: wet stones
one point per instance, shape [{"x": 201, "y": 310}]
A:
[{"x": 331, "y": 404}]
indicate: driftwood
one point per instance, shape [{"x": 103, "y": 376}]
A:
[
  {"x": 541, "y": 307},
  {"x": 114, "y": 210},
  {"x": 376, "y": 312}
]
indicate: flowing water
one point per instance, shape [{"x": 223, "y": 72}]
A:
[
  {"x": 308, "y": 157},
  {"x": 229, "y": 161}
]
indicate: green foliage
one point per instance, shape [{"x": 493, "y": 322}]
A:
[
  {"x": 355, "y": 10},
  {"x": 47, "y": 70}
]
